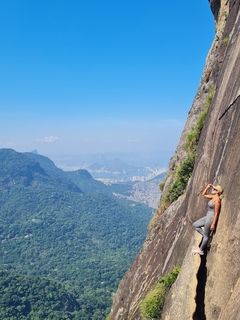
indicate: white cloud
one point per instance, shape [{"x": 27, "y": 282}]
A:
[{"x": 49, "y": 139}]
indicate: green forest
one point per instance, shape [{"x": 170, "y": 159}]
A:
[
  {"x": 65, "y": 241},
  {"x": 24, "y": 297}
]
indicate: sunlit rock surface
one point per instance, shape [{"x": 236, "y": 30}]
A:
[{"x": 207, "y": 287}]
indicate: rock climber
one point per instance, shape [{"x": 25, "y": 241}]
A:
[{"x": 210, "y": 220}]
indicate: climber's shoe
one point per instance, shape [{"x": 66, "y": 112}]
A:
[{"x": 198, "y": 251}]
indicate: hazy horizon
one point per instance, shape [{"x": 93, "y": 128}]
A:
[{"x": 154, "y": 158}]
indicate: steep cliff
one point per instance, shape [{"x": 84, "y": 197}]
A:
[{"x": 207, "y": 287}]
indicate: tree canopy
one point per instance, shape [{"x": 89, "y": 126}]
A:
[{"x": 52, "y": 230}]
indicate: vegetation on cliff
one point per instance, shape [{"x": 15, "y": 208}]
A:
[
  {"x": 152, "y": 305},
  {"x": 184, "y": 171}
]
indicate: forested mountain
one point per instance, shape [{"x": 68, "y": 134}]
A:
[
  {"x": 82, "y": 178},
  {"x": 24, "y": 297},
  {"x": 144, "y": 192},
  {"x": 53, "y": 228}
]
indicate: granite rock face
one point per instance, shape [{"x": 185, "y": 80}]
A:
[{"x": 207, "y": 287}]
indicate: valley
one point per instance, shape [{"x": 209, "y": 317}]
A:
[
  {"x": 133, "y": 178},
  {"x": 68, "y": 228}
]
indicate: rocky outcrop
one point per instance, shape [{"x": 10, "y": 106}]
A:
[
  {"x": 207, "y": 83},
  {"x": 208, "y": 287}
]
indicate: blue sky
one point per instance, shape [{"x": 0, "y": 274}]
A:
[{"x": 86, "y": 76}]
